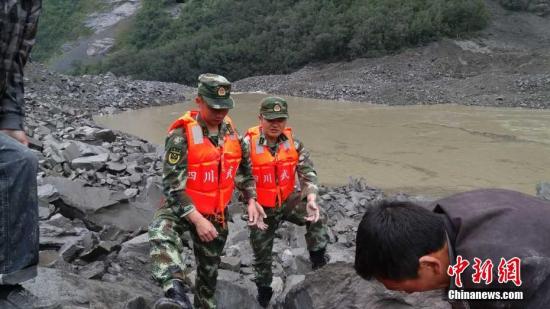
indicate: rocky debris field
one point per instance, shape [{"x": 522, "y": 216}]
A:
[
  {"x": 98, "y": 190},
  {"x": 80, "y": 97},
  {"x": 505, "y": 65}
]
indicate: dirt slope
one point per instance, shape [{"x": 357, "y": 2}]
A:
[{"x": 507, "y": 64}]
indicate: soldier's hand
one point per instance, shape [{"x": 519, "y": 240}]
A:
[
  {"x": 312, "y": 209},
  {"x": 206, "y": 230},
  {"x": 261, "y": 216},
  {"x": 252, "y": 212},
  {"x": 256, "y": 215},
  {"x": 18, "y": 135}
]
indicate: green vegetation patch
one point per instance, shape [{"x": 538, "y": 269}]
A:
[
  {"x": 255, "y": 37},
  {"x": 61, "y": 21}
]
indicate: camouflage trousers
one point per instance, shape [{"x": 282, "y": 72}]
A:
[
  {"x": 292, "y": 210},
  {"x": 165, "y": 236}
]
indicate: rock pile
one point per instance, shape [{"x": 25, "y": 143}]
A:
[
  {"x": 88, "y": 172},
  {"x": 98, "y": 190},
  {"x": 82, "y": 96}
]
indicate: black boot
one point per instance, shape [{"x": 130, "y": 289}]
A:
[
  {"x": 176, "y": 297},
  {"x": 318, "y": 259},
  {"x": 15, "y": 296},
  {"x": 264, "y": 295}
]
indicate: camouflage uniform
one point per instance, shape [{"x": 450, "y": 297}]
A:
[
  {"x": 293, "y": 209},
  {"x": 169, "y": 221}
]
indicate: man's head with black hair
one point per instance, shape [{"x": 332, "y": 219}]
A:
[{"x": 404, "y": 246}]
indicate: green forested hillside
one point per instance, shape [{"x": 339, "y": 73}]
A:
[
  {"x": 61, "y": 21},
  {"x": 251, "y": 37}
]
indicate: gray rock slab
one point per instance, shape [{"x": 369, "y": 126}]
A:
[
  {"x": 71, "y": 152},
  {"x": 102, "y": 206},
  {"x": 110, "y": 232},
  {"x": 234, "y": 291},
  {"x": 85, "y": 199},
  {"x": 98, "y": 251},
  {"x": 152, "y": 193},
  {"x": 130, "y": 193},
  {"x": 128, "y": 216},
  {"x": 116, "y": 167},
  {"x": 47, "y": 258},
  {"x": 338, "y": 286},
  {"x": 93, "y": 270},
  {"x": 230, "y": 263},
  {"x": 70, "y": 250},
  {"x": 138, "y": 246},
  {"x": 238, "y": 232},
  {"x": 105, "y": 135},
  {"x": 137, "y": 303},
  {"x": 277, "y": 285},
  {"x": 47, "y": 193},
  {"x": 91, "y": 162},
  {"x": 44, "y": 211},
  {"x": 73, "y": 291},
  {"x": 543, "y": 190},
  {"x": 291, "y": 282}
]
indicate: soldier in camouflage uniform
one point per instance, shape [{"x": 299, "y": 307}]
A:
[
  {"x": 18, "y": 165},
  {"x": 277, "y": 158},
  {"x": 204, "y": 158}
]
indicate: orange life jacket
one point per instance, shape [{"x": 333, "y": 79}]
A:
[
  {"x": 275, "y": 176},
  {"x": 210, "y": 170}
]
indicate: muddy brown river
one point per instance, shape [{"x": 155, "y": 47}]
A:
[{"x": 431, "y": 150}]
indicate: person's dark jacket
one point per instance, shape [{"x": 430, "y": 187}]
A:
[
  {"x": 18, "y": 24},
  {"x": 494, "y": 224},
  {"x": 19, "y": 239}
]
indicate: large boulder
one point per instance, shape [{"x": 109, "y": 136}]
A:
[
  {"x": 338, "y": 286},
  {"x": 137, "y": 247},
  {"x": 72, "y": 291},
  {"x": 234, "y": 291},
  {"x": 101, "y": 206},
  {"x": 85, "y": 199}
]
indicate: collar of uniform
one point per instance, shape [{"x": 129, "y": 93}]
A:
[
  {"x": 224, "y": 128},
  {"x": 450, "y": 238},
  {"x": 263, "y": 140}
]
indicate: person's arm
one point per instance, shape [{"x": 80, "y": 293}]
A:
[
  {"x": 308, "y": 181},
  {"x": 244, "y": 181},
  {"x": 174, "y": 179},
  {"x": 174, "y": 174},
  {"x": 30, "y": 29},
  {"x": 16, "y": 48}
]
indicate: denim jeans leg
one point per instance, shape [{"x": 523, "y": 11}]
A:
[{"x": 18, "y": 211}]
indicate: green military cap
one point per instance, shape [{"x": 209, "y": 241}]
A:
[
  {"x": 215, "y": 90},
  {"x": 273, "y": 108}
]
